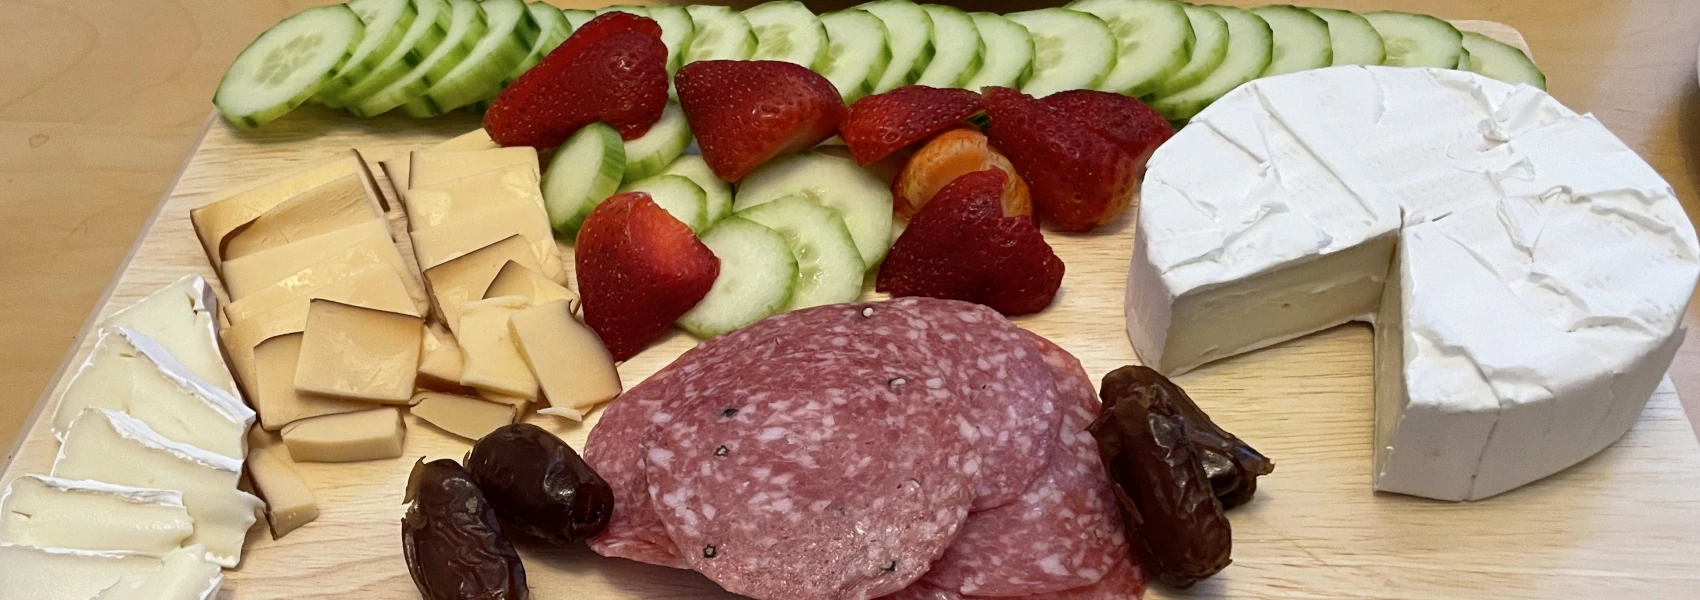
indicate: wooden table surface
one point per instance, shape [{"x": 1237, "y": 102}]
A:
[{"x": 102, "y": 100}]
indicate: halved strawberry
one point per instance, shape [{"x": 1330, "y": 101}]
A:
[
  {"x": 639, "y": 270},
  {"x": 747, "y": 112},
  {"x": 881, "y": 124},
  {"x": 1128, "y": 123},
  {"x": 613, "y": 69},
  {"x": 1079, "y": 179},
  {"x": 963, "y": 246},
  {"x": 950, "y": 155}
]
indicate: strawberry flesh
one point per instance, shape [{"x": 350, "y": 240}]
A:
[
  {"x": 639, "y": 270},
  {"x": 747, "y": 112},
  {"x": 962, "y": 246},
  {"x": 1128, "y": 123},
  {"x": 1079, "y": 179},
  {"x": 613, "y": 70},
  {"x": 881, "y": 124}
]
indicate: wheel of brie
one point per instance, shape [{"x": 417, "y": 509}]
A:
[{"x": 1525, "y": 272}]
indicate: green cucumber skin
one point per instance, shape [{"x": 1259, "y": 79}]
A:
[
  {"x": 876, "y": 69},
  {"x": 331, "y": 93},
  {"x": 255, "y": 119},
  {"x": 966, "y": 73},
  {"x": 1248, "y": 26},
  {"x": 1208, "y": 51},
  {"x": 391, "y": 97},
  {"x": 898, "y": 74},
  {"x": 1140, "y": 78},
  {"x": 704, "y": 320},
  {"x": 400, "y": 63},
  {"x": 483, "y": 80},
  {"x": 605, "y": 179}
]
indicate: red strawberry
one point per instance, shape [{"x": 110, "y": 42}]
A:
[
  {"x": 884, "y": 123},
  {"x": 639, "y": 269},
  {"x": 1079, "y": 179},
  {"x": 964, "y": 246},
  {"x": 745, "y": 113},
  {"x": 1132, "y": 125},
  {"x": 613, "y": 69}
]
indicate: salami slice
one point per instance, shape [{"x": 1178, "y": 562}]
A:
[
  {"x": 815, "y": 475},
  {"x": 1064, "y": 532},
  {"x": 1125, "y": 581}
]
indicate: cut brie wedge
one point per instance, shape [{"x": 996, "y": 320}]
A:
[
  {"x": 50, "y": 512},
  {"x": 61, "y": 574},
  {"x": 183, "y": 574},
  {"x": 1525, "y": 271},
  {"x": 182, "y": 317}
]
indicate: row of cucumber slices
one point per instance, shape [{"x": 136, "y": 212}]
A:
[
  {"x": 428, "y": 57},
  {"x": 800, "y": 231}
]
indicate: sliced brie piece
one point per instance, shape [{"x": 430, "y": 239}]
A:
[
  {"x": 61, "y": 574},
  {"x": 183, "y": 574},
  {"x": 110, "y": 446},
  {"x": 1525, "y": 271},
  {"x": 130, "y": 373},
  {"x": 182, "y": 318},
  {"x": 50, "y": 512}
]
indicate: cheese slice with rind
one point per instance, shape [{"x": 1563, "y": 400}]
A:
[{"x": 50, "y": 512}]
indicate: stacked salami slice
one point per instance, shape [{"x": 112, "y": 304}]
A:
[{"x": 911, "y": 449}]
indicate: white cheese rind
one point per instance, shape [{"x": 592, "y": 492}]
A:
[
  {"x": 182, "y": 317},
  {"x": 1535, "y": 302},
  {"x": 129, "y": 372},
  {"x": 110, "y": 446},
  {"x": 51, "y": 512},
  {"x": 183, "y": 574},
  {"x": 61, "y": 574}
]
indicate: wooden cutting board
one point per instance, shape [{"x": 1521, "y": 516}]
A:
[{"x": 1620, "y": 525}]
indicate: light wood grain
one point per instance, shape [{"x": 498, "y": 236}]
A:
[{"x": 1619, "y": 525}]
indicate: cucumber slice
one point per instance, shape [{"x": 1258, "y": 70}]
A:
[
  {"x": 1501, "y": 61},
  {"x": 1251, "y": 44},
  {"x": 829, "y": 269},
  {"x": 387, "y": 22},
  {"x": 1071, "y": 50},
  {"x": 430, "y": 26},
  {"x": 466, "y": 27},
  {"x": 958, "y": 50},
  {"x": 552, "y": 29},
  {"x": 584, "y": 171},
  {"x": 1414, "y": 40},
  {"x": 1463, "y": 59},
  {"x": 1009, "y": 52},
  {"x": 722, "y": 34},
  {"x": 631, "y": 9},
  {"x": 577, "y": 17},
  {"x": 677, "y": 31},
  {"x": 786, "y": 30},
  {"x": 510, "y": 32},
  {"x": 665, "y": 141},
  {"x": 862, "y": 198},
  {"x": 858, "y": 54},
  {"x": 680, "y": 196},
  {"x": 1153, "y": 41},
  {"x": 286, "y": 65},
  {"x": 757, "y": 275},
  {"x": 717, "y": 193},
  {"x": 909, "y": 32},
  {"x": 1354, "y": 40},
  {"x": 1209, "y": 48},
  {"x": 1301, "y": 39}
]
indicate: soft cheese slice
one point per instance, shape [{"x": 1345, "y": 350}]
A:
[
  {"x": 289, "y": 502},
  {"x": 516, "y": 280},
  {"x": 61, "y": 574},
  {"x": 130, "y": 373},
  {"x": 258, "y": 272},
  {"x": 1525, "y": 270},
  {"x": 216, "y": 220},
  {"x": 275, "y": 397},
  {"x": 349, "y": 200},
  {"x": 399, "y": 170},
  {"x": 182, "y": 318},
  {"x": 113, "y": 447},
  {"x": 464, "y": 279},
  {"x": 434, "y": 166},
  {"x": 355, "y": 353},
  {"x": 492, "y": 360},
  {"x": 570, "y": 363},
  {"x": 49, "y": 512},
  {"x": 352, "y": 437},
  {"x": 470, "y": 418},
  {"x": 183, "y": 574},
  {"x": 386, "y": 294}
]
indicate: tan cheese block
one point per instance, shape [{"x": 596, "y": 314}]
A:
[
  {"x": 439, "y": 361},
  {"x": 433, "y": 166},
  {"x": 241, "y": 338},
  {"x": 350, "y": 437},
  {"x": 289, "y": 502},
  {"x": 276, "y": 400},
  {"x": 399, "y": 170},
  {"x": 470, "y": 418},
  {"x": 439, "y": 245},
  {"x": 332, "y": 206},
  {"x": 568, "y": 360},
  {"x": 516, "y": 280},
  {"x": 443, "y": 203},
  {"x": 492, "y": 360},
  {"x": 256, "y": 272},
  {"x": 355, "y": 353},
  {"x": 520, "y": 404},
  {"x": 217, "y": 219},
  {"x": 357, "y": 273},
  {"x": 464, "y": 279}
]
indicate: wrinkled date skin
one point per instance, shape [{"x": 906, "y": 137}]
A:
[
  {"x": 1148, "y": 444},
  {"x": 539, "y": 485},
  {"x": 452, "y": 541},
  {"x": 1233, "y": 466}
]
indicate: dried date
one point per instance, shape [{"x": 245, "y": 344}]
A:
[
  {"x": 539, "y": 485},
  {"x": 452, "y": 540}
]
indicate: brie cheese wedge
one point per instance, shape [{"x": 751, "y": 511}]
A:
[
  {"x": 130, "y": 373},
  {"x": 61, "y": 574},
  {"x": 50, "y": 512},
  {"x": 182, "y": 317},
  {"x": 1525, "y": 271},
  {"x": 183, "y": 574}
]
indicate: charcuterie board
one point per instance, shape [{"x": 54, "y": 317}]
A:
[{"x": 1617, "y": 525}]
